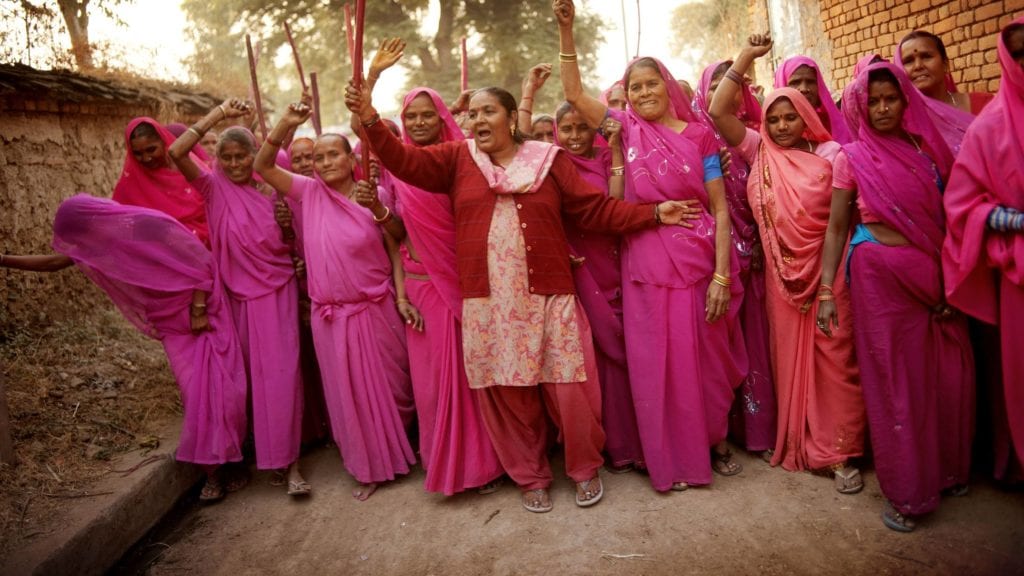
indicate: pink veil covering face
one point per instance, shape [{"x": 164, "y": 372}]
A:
[
  {"x": 989, "y": 172},
  {"x": 164, "y": 189},
  {"x": 147, "y": 262},
  {"x": 896, "y": 181},
  {"x": 799, "y": 185},
  {"x": 838, "y": 129},
  {"x": 951, "y": 121},
  {"x": 428, "y": 217}
]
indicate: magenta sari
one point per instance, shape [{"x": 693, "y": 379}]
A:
[
  {"x": 455, "y": 448},
  {"x": 682, "y": 370},
  {"x": 149, "y": 265},
  {"x": 951, "y": 121},
  {"x": 260, "y": 279},
  {"x": 836, "y": 125},
  {"x": 917, "y": 369},
  {"x": 599, "y": 289},
  {"x": 753, "y": 415},
  {"x": 983, "y": 268},
  {"x": 164, "y": 189},
  {"x": 359, "y": 336}
]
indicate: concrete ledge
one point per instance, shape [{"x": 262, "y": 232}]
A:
[{"x": 96, "y": 532}]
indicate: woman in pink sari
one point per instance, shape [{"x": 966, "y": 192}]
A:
[
  {"x": 752, "y": 419},
  {"x": 923, "y": 57},
  {"x": 598, "y": 275},
  {"x": 358, "y": 333},
  {"x": 258, "y": 273},
  {"x": 684, "y": 345},
  {"x": 150, "y": 179},
  {"x": 984, "y": 245},
  {"x": 803, "y": 74},
  {"x": 821, "y": 410},
  {"x": 165, "y": 282},
  {"x": 917, "y": 370}
]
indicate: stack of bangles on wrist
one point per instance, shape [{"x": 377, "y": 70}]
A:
[
  {"x": 734, "y": 76},
  {"x": 723, "y": 281},
  {"x": 563, "y": 57},
  {"x": 385, "y": 218},
  {"x": 618, "y": 170},
  {"x": 825, "y": 293}
]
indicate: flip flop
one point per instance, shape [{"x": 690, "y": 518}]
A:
[
  {"x": 680, "y": 486},
  {"x": 213, "y": 491},
  {"x": 539, "y": 508},
  {"x": 299, "y": 488},
  {"x": 594, "y": 497},
  {"x": 848, "y": 482},
  {"x": 720, "y": 463},
  {"x": 896, "y": 521},
  {"x": 491, "y": 487}
]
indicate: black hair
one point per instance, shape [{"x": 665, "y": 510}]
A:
[
  {"x": 939, "y": 45},
  {"x": 884, "y": 75},
  {"x": 563, "y": 109},
  {"x": 720, "y": 70},
  {"x": 144, "y": 130},
  {"x": 344, "y": 141},
  {"x": 1010, "y": 30},
  {"x": 645, "y": 62},
  {"x": 239, "y": 135},
  {"x": 508, "y": 102},
  {"x": 542, "y": 118}
]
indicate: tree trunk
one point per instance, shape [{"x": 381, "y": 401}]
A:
[{"x": 76, "y": 17}]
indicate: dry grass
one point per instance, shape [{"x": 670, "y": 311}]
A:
[{"x": 80, "y": 392}]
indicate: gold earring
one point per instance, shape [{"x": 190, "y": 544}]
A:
[{"x": 512, "y": 130}]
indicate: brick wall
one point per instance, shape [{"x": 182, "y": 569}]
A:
[{"x": 968, "y": 28}]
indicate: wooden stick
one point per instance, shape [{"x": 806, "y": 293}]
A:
[
  {"x": 317, "y": 126},
  {"x": 348, "y": 30},
  {"x": 295, "y": 52},
  {"x": 465, "y": 66},
  {"x": 255, "y": 87},
  {"x": 357, "y": 77}
]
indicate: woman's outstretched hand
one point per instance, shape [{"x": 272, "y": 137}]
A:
[
  {"x": 389, "y": 53},
  {"x": 680, "y": 212}
]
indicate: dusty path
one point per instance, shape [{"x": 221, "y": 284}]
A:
[{"x": 763, "y": 521}]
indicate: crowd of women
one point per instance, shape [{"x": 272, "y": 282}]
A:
[{"x": 636, "y": 277}]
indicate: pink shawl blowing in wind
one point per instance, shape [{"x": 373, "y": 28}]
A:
[
  {"x": 837, "y": 124},
  {"x": 164, "y": 189},
  {"x": 149, "y": 265}
]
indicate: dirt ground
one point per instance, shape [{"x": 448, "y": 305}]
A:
[{"x": 763, "y": 521}]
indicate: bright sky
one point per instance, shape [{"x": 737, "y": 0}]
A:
[{"x": 155, "y": 41}]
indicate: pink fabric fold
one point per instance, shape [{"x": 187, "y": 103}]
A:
[
  {"x": 164, "y": 189},
  {"x": 150, "y": 265},
  {"x": 837, "y": 125}
]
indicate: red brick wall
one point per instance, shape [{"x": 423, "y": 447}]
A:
[{"x": 967, "y": 27}]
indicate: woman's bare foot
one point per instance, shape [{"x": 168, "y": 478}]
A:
[{"x": 364, "y": 491}]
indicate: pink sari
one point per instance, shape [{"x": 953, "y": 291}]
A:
[
  {"x": 260, "y": 279},
  {"x": 149, "y": 265},
  {"x": 917, "y": 369},
  {"x": 821, "y": 409},
  {"x": 951, "y": 121},
  {"x": 456, "y": 451},
  {"x": 837, "y": 125},
  {"x": 682, "y": 369},
  {"x": 164, "y": 189},
  {"x": 982, "y": 268},
  {"x": 753, "y": 415},
  {"x": 359, "y": 336}
]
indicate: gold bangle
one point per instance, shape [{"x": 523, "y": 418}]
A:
[
  {"x": 222, "y": 111},
  {"x": 402, "y": 300},
  {"x": 724, "y": 281},
  {"x": 825, "y": 297},
  {"x": 563, "y": 57},
  {"x": 194, "y": 131},
  {"x": 618, "y": 170}
]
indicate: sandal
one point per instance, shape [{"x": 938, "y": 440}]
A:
[
  {"x": 299, "y": 488},
  {"x": 491, "y": 487},
  {"x": 212, "y": 491},
  {"x": 848, "y": 480},
  {"x": 278, "y": 478},
  {"x": 533, "y": 500},
  {"x": 591, "y": 497},
  {"x": 680, "y": 486},
  {"x": 722, "y": 463},
  {"x": 896, "y": 521}
]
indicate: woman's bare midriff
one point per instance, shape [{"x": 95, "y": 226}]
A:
[{"x": 886, "y": 235}]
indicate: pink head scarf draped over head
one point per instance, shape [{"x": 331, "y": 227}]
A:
[
  {"x": 837, "y": 125},
  {"x": 428, "y": 217},
  {"x": 864, "y": 62},
  {"x": 989, "y": 172},
  {"x": 948, "y": 80},
  {"x": 801, "y": 182},
  {"x": 593, "y": 170},
  {"x": 164, "y": 188},
  {"x": 750, "y": 109},
  {"x": 951, "y": 121},
  {"x": 895, "y": 179}
]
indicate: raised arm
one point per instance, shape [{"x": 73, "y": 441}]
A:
[
  {"x": 179, "y": 151},
  {"x": 617, "y": 173},
  {"x": 431, "y": 168},
  {"x": 389, "y": 53},
  {"x": 35, "y": 263},
  {"x": 720, "y": 108},
  {"x": 591, "y": 108},
  {"x": 533, "y": 82},
  {"x": 265, "y": 164}
]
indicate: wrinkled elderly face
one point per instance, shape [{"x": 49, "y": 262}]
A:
[
  {"x": 300, "y": 154},
  {"x": 209, "y": 143},
  {"x": 236, "y": 161},
  {"x": 544, "y": 131},
  {"x": 805, "y": 80},
  {"x": 924, "y": 64},
  {"x": 647, "y": 93},
  {"x": 332, "y": 160}
]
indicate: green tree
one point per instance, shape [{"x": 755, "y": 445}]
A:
[
  {"x": 709, "y": 30},
  {"x": 42, "y": 16},
  {"x": 506, "y": 38}
]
